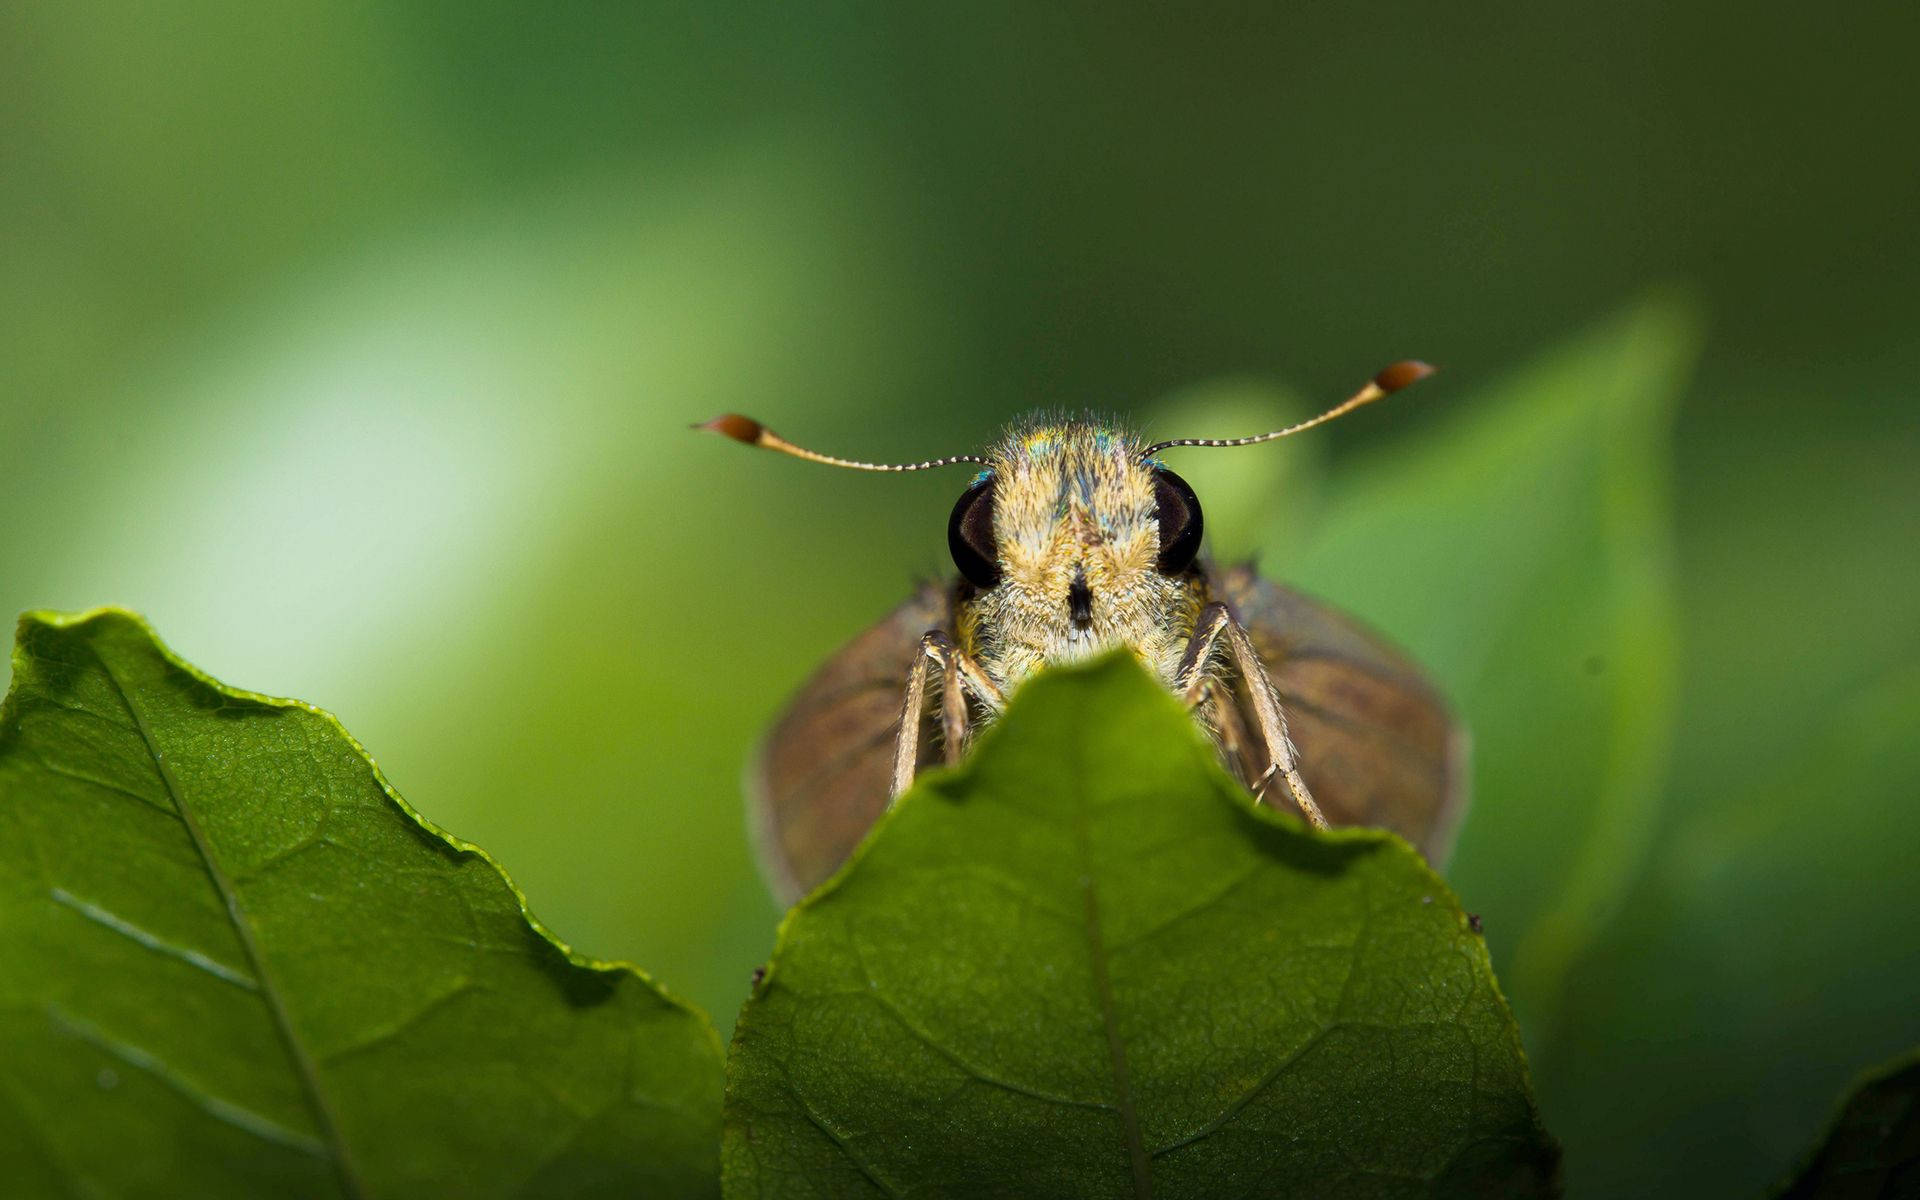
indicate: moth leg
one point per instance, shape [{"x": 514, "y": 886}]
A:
[
  {"x": 959, "y": 674},
  {"x": 1272, "y": 719},
  {"x": 953, "y": 703},
  {"x": 1235, "y": 744},
  {"x": 1193, "y": 681},
  {"x": 975, "y": 680},
  {"x": 1196, "y": 686},
  {"x": 906, "y": 742}
]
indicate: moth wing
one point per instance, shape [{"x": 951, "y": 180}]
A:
[
  {"x": 1377, "y": 745},
  {"x": 822, "y": 776}
]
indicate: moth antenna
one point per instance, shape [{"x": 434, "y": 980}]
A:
[
  {"x": 753, "y": 433},
  {"x": 1386, "y": 383}
]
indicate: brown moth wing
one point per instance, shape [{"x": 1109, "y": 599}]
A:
[
  {"x": 1377, "y": 744},
  {"x": 822, "y": 776}
]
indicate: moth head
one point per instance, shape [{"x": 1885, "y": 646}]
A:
[
  {"x": 1070, "y": 537},
  {"x": 1118, "y": 497},
  {"x": 1073, "y": 526}
]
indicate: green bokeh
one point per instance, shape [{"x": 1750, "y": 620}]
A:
[{"x": 356, "y": 345}]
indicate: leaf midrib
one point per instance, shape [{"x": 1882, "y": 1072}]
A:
[
  {"x": 1139, "y": 1163},
  {"x": 304, "y": 1067}
]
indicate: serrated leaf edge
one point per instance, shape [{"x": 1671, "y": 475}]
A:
[{"x": 75, "y": 620}]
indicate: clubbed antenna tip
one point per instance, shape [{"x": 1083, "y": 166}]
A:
[
  {"x": 1386, "y": 383},
  {"x": 735, "y": 426},
  {"x": 1401, "y": 374},
  {"x": 753, "y": 433}
]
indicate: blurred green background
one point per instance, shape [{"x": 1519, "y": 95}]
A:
[{"x": 356, "y": 345}]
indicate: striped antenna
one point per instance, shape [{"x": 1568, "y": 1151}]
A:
[
  {"x": 753, "y": 433},
  {"x": 1386, "y": 383}
]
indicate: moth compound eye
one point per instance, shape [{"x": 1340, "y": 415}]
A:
[
  {"x": 1178, "y": 510},
  {"x": 970, "y": 536}
]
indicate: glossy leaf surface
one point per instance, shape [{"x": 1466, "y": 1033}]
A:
[{"x": 237, "y": 964}]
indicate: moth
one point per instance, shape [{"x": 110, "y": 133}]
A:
[{"x": 1074, "y": 537}]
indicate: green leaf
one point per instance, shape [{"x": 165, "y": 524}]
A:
[
  {"x": 237, "y": 964},
  {"x": 1082, "y": 964},
  {"x": 1872, "y": 1152},
  {"x": 1521, "y": 548}
]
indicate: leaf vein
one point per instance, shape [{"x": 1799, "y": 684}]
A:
[
  {"x": 105, "y": 785},
  {"x": 394, "y": 1029},
  {"x": 1188, "y": 913},
  {"x": 219, "y": 1108},
  {"x": 973, "y": 1070},
  {"x": 153, "y": 941},
  {"x": 1137, "y": 1158},
  {"x": 818, "y": 1122},
  {"x": 303, "y": 1065},
  {"x": 1233, "y": 1110}
]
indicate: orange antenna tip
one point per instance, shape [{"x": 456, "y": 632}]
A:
[
  {"x": 1384, "y": 384},
  {"x": 1401, "y": 374},
  {"x": 735, "y": 426},
  {"x": 753, "y": 433}
]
